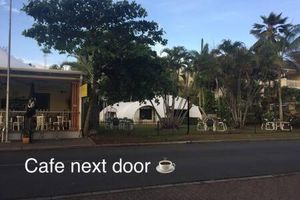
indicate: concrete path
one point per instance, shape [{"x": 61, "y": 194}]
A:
[{"x": 282, "y": 187}]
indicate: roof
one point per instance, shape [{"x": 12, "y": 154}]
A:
[
  {"x": 48, "y": 74},
  {"x": 14, "y": 62},
  {"x": 38, "y": 70},
  {"x": 20, "y": 69}
]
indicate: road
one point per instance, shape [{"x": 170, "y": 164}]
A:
[{"x": 194, "y": 162}]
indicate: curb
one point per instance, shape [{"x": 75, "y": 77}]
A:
[
  {"x": 93, "y": 144},
  {"x": 193, "y": 142},
  {"x": 86, "y": 194},
  {"x": 42, "y": 148},
  {"x": 51, "y": 147}
]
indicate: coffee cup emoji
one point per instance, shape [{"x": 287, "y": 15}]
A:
[{"x": 165, "y": 166}]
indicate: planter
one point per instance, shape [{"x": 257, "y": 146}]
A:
[{"x": 25, "y": 140}]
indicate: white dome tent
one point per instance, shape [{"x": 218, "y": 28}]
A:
[{"x": 143, "y": 112}]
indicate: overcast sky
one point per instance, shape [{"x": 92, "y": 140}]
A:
[{"x": 185, "y": 23}]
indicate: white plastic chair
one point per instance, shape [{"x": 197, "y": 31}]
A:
[
  {"x": 270, "y": 126},
  {"x": 1, "y": 121},
  {"x": 201, "y": 126},
  {"x": 222, "y": 127},
  {"x": 59, "y": 123},
  {"x": 41, "y": 123},
  {"x": 285, "y": 126},
  {"x": 19, "y": 123}
]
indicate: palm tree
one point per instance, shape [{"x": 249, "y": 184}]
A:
[
  {"x": 206, "y": 73},
  {"x": 273, "y": 28},
  {"x": 84, "y": 64},
  {"x": 179, "y": 63},
  {"x": 234, "y": 61},
  {"x": 290, "y": 47},
  {"x": 285, "y": 39}
]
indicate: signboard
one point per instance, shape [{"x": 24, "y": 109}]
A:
[{"x": 84, "y": 90}]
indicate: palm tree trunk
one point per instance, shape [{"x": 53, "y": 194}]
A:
[{"x": 280, "y": 98}]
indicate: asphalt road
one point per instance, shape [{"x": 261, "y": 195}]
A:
[{"x": 194, "y": 162}]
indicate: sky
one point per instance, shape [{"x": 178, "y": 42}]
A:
[{"x": 185, "y": 22}]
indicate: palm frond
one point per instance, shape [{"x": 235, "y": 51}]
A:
[
  {"x": 295, "y": 45},
  {"x": 258, "y": 26}
]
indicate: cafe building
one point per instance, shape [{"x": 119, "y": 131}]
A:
[{"x": 57, "y": 93}]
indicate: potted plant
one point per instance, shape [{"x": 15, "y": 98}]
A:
[{"x": 25, "y": 137}]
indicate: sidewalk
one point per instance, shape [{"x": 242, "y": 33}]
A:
[
  {"x": 280, "y": 187},
  {"x": 46, "y": 144}
]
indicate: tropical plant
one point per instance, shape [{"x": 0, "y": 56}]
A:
[
  {"x": 281, "y": 38},
  {"x": 238, "y": 77},
  {"x": 205, "y": 74},
  {"x": 178, "y": 63}
]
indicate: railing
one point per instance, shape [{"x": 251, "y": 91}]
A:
[{"x": 293, "y": 84}]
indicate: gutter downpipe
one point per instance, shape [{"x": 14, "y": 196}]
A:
[{"x": 80, "y": 106}]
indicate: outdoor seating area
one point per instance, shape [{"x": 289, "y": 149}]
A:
[
  {"x": 119, "y": 124},
  {"x": 58, "y": 102},
  {"x": 277, "y": 125},
  {"x": 43, "y": 121},
  {"x": 212, "y": 124}
]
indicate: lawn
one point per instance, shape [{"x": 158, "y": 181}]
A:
[{"x": 150, "y": 134}]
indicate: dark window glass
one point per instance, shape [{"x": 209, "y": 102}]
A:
[
  {"x": 146, "y": 113},
  {"x": 42, "y": 101}
]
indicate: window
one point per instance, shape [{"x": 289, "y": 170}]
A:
[
  {"x": 110, "y": 115},
  {"x": 146, "y": 113},
  {"x": 42, "y": 101}
]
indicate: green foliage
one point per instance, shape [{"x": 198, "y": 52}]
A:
[
  {"x": 110, "y": 40},
  {"x": 70, "y": 25},
  {"x": 206, "y": 68},
  {"x": 210, "y": 105},
  {"x": 282, "y": 40},
  {"x": 178, "y": 61},
  {"x": 274, "y": 27},
  {"x": 289, "y": 93},
  {"x": 136, "y": 78},
  {"x": 223, "y": 110}
]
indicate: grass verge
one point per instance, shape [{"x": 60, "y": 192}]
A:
[{"x": 150, "y": 134}]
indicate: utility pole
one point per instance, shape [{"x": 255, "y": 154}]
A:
[
  {"x": 8, "y": 73},
  {"x": 188, "y": 115},
  {"x": 45, "y": 60}
]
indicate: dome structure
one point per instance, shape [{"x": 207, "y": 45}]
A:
[{"x": 144, "y": 112}]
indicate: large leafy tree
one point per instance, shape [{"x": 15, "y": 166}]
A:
[
  {"x": 281, "y": 38},
  {"x": 109, "y": 38}
]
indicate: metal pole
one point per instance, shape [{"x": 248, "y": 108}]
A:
[
  {"x": 8, "y": 72},
  {"x": 188, "y": 113}
]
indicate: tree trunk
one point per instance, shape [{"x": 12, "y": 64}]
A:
[
  {"x": 158, "y": 115},
  {"x": 245, "y": 114},
  {"x": 280, "y": 98},
  {"x": 172, "y": 117},
  {"x": 239, "y": 99},
  {"x": 86, "y": 125},
  {"x": 218, "y": 98}
]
